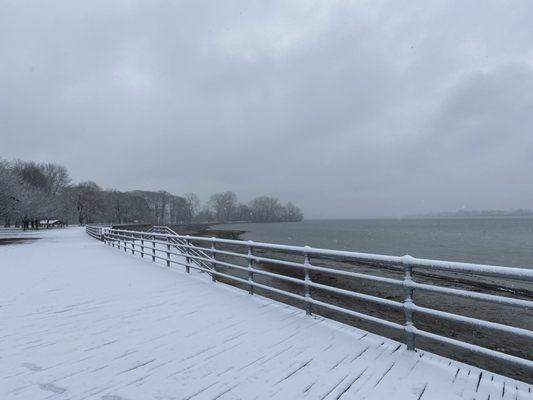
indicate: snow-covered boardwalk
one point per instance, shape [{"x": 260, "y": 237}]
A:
[{"x": 80, "y": 320}]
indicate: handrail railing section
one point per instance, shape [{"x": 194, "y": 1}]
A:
[{"x": 200, "y": 253}]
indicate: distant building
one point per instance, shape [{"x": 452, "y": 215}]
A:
[{"x": 51, "y": 223}]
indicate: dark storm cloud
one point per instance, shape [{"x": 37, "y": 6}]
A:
[{"x": 346, "y": 108}]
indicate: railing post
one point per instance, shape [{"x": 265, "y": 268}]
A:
[
  {"x": 308, "y": 305},
  {"x": 187, "y": 259},
  {"x": 250, "y": 266},
  {"x": 153, "y": 250},
  {"x": 132, "y": 244},
  {"x": 168, "y": 251},
  {"x": 142, "y": 246},
  {"x": 410, "y": 336},
  {"x": 124, "y": 238},
  {"x": 214, "y": 256}
]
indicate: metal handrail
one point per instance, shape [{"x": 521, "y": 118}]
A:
[
  {"x": 204, "y": 259},
  {"x": 175, "y": 238},
  {"x": 96, "y": 231}
]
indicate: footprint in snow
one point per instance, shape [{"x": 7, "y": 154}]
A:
[
  {"x": 52, "y": 388},
  {"x": 31, "y": 366}
]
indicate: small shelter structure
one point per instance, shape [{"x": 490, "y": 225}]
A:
[{"x": 51, "y": 223}]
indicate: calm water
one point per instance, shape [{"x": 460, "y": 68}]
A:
[{"x": 499, "y": 241}]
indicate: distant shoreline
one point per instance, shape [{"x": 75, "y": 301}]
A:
[
  {"x": 196, "y": 229},
  {"x": 407, "y": 217},
  {"x": 476, "y": 214},
  {"x": 474, "y": 217}
]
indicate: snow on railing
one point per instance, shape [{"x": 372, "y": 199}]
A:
[
  {"x": 96, "y": 231},
  {"x": 187, "y": 251},
  {"x": 175, "y": 238}
]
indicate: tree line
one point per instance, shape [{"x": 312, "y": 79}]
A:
[{"x": 31, "y": 192}]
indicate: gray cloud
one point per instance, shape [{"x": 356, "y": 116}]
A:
[{"x": 346, "y": 108}]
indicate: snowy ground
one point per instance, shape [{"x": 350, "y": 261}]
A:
[{"x": 81, "y": 320}]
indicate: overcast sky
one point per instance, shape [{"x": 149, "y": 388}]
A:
[{"x": 347, "y": 108}]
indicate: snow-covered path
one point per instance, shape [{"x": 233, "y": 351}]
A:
[{"x": 80, "y": 320}]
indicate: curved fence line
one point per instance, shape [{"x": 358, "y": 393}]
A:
[{"x": 186, "y": 251}]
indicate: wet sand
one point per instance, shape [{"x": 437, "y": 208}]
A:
[{"x": 191, "y": 229}]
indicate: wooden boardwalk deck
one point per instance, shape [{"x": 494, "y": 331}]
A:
[{"x": 80, "y": 320}]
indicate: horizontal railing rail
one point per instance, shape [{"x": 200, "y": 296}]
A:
[
  {"x": 205, "y": 254},
  {"x": 175, "y": 238},
  {"x": 96, "y": 231}
]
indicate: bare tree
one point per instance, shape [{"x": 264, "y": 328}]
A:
[
  {"x": 242, "y": 213},
  {"x": 205, "y": 215},
  {"x": 137, "y": 209},
  {"x": 88, "y": 200},
  {"x": 192, "y": 205},
  {"x": 165, "y": 208},
  {"x": 125, "y": 207},
  {"x": 266, "y": 209},
  {"x": 117, "y": 207},
  {"x": 223, "y": 205},
  {"x": 293, "y": 213},
  {"x": 10, "y": 194},
  {"x": 57, "y": 178}
]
